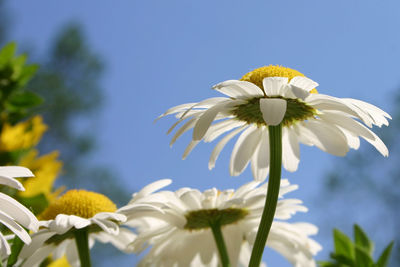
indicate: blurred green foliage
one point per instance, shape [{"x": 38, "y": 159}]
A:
[{"x": 357, "y": 253}]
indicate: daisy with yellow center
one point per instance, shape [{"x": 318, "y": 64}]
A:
[
  {"x": 181, "y": 226},
  {"x": 270, "y": 96},
  {"x": 12, "y": 213},
  {"x": 71, "y": 225}
]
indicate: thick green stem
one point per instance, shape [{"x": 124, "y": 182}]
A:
[
  {"x": 275, "y": 165},
  {"x": 82, "y": 242},
  {"x": 219, "y": 240}
]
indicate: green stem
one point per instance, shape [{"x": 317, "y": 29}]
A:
[
  {"x": 275, "y": 166},
  {"x": 219, "y": 240},
  {"x": 82, "y": 242}
]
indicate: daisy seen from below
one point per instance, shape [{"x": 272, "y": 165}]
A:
[
  {"x": 188, "y": 227},
  {"x": 270, "y": 96},
  {"x": 70, "y": 226},
  {"x": 14, "y": 215}
]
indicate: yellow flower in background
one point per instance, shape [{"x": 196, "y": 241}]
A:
[
  {"x": 46, "y": 169},
  {"x": 23, "y": 135},
  {"x": 61, "y": 262}
]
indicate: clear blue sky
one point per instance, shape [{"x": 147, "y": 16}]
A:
[{"x": 163, "y": 53}]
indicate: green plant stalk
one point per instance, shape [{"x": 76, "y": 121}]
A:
[
  {"x": 219, "y": 240},
  {"x": 275, "y": 142},
  {"x": 82, "y": 243}
]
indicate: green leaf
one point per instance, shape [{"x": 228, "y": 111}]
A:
[
  {"x": 16, "y": 247},
  {"x": 363, "y": 258},
  {"x": 7, "y": 53},
  {"x": 383, "y": 260},
  {"x": 362, "y": 240},
  {"x": 37, "y": 203},
  {"x": 343, "y": 244},
  {"x": 26, "y": 74},
  {"x": 341, "y": 260},
  {"x": 24, "y": 99}
]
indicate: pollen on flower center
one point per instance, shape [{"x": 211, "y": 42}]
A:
[
  {"x": 202, "y": 219},
  {"x": 81, "y": 203},
  {"x": 257, "y": 76}
]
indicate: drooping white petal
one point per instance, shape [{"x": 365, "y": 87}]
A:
[
  {"x": 290, "y": 150},
  {"x": 150, "y": 188},
  {"x": 219, "y": 128},
  {"x": 189, "y": 148},
  {"x": 327, "y": 137},
  {"x": 18, "y": 212},
  {"x": 221, "y": 144},
  {"x": 38, "y": 256},
  {"x": 15, "y": 171},
  {"x": 11, "y": 182},
  {"x": 303, "y": 83},
  {"x": 238, "y": 89},
  {"x": 260, "y": 160},
  {"x": 377, "y": 115},
  {"x": 187, "y": 126},
  {"x": 272, "y": 85},
  {"x": 14, "y": 227},
  {"x": 243, "y": 150},
  {"x": 206, "y": 119},
  {"x": 273, "y": 110}
]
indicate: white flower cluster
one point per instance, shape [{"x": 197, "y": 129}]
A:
[{"x": 181, "y": 228}]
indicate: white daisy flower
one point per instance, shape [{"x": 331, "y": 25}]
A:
[
  {"x": 74, "y": 211},
  {"x": 275, "y": 95},
  {"x": 177, "y": 225},
  {"x": 12, "y": 213}
]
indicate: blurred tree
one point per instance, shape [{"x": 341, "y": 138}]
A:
[
  {"x": 69, "y": 82},
  {"x": 368, "y": 185}
]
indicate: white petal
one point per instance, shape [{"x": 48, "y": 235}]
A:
[
  {"x": 243, "y": 150},
  {"x": 290, "y": 150},
  {"x": 11, "y": 182},
  {"x": 205, "y": 121},
  {"x": 4, "y": 246},
  {"x": 15, "y": 171},
  {"x": 15, "y": 227},
  {"x": 39, "y": 255},
  {"x": 150, "y": 188},
  {"x": 260, "y": 160},
  {"x": 187, "y": 126},
  {"x": 221, "y": 144},
  {"x": 327, "y": 137},
  {"x": 238, "y": 89},
  {"x": 189, "y": 148},
  {"x": 18, "y": 212},
  {"x": 303, "y": 83},
  {"x": 222, "y": 127},
  {"x": 38, "y": 240},
  {"x": 273, "y": 85},
  {"x": 273, "y": 110}
]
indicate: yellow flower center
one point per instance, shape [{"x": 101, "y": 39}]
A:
[
  {"x": 203, "y": 219},
  {"x": 257, "y": 76},
  {"x": 81, "y": 203}
]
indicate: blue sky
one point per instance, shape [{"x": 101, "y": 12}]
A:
[{"x": 163, "y": 53}]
